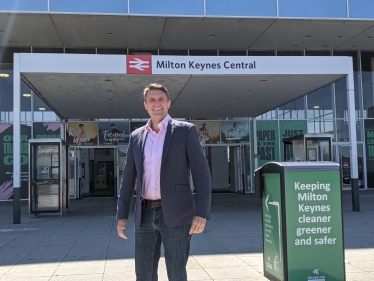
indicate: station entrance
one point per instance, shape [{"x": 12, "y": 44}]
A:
[{"x": 107, "y": 87}]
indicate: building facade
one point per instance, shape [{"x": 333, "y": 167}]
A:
[{"x": 199, "y": 28}]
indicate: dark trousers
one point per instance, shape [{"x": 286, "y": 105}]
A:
[{"x": 148, "y": 238}]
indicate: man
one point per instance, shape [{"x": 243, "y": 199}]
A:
[{"x": 159, "y": 158}]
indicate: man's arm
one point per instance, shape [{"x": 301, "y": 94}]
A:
[
  {"x": 202, "y": 180},
  {"x": 126, "y": 191}
]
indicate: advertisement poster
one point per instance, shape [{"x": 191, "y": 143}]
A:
[
  {"x": 113, "y": 133},
  {"x": 267, "y": 141},
  {"x": 234, "y": 131},
  {"x": 369, "y": 142},
  {"x": 289, "y": 129},
  {"x": 81, "y": 133},
  {"x": 44, "y": 130},
  {"x": 208, "y": 131},
  {"x": 136, "y": 125},
  {"x": 6, "y": 162}
]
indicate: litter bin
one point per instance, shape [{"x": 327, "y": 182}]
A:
[{"x": 301, "y": 220}]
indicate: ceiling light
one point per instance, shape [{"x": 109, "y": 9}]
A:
[
  {"x": 295, "y": 46},
  {"x": 110, "y": 33},
  {"x": 249, "y": 90},
  {"x": 42, "y": 108},
  {"x": 316, "y": 106},
  {"x": 107, "y": 80},
  {"x": 324, "y": 46},
  {"x": 369, "y": 37},
  {"x": 264, "y": 80},
  {"x": 10, "y": 42},
  {"x": 4, "y": 75},
  {"x": 353, "y": 46},
  {"x": 26, "y": 95},
  {"x": 308, "y": 36},
  {"x": 211, "y": 35},
  {"x": 339, "y": 36},
  {"x": 110, "y": 99}
]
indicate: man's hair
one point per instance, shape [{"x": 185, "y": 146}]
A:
[
  {"x": 112, "y": 124},
  {"x": 155, "y": 86},
  {"x": 81, "y": 125}
]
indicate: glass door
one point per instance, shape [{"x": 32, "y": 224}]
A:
[{"x": 121, "y": 153}]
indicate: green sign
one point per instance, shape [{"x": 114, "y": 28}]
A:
[
  {"x": 267, "y": 141},
  {"x": 272, "y": 226},
  {"x": 289, "y": 129},
  {"x": 314, "y": 226}
]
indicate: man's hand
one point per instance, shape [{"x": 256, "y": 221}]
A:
[
  {"x": 121, "y": 226},
  {"x": 198, "y": 225}
]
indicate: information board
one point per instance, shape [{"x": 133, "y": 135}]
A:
[{"x": 314, "y": 226}]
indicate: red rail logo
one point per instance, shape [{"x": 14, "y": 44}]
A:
[{"x": 139, "y": 64}]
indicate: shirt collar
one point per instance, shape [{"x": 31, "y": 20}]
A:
[{"x": 164, "y": 122}]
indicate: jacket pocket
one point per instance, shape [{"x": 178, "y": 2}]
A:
[{"x": 182, "y": 187}]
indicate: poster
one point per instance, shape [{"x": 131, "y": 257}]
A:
[
  {"x": 113, "y": 133},
  {"x": 208, "y": 131},
  {"x": 289, "y": 129},
  {"x": 81, "y": 133},
  {"x": 6, "y": 162},
  {"x": 234, "y": 131},
  {"x": 43, "y": 130},
  {"x": 267, "y": 141}
]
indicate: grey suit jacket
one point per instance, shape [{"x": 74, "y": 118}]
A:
[{"x": 182, "y": 152}]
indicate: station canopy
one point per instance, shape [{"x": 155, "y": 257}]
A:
[{"x": 110, "y": 86}]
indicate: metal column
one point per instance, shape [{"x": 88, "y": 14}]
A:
[
  {"x": 352, "y": 137},
  {"x": 16, "y": 140}
]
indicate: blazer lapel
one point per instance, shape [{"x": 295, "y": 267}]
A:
[
  {"x": 143, "y": 137},
  {"x": 168, "y": 136}
]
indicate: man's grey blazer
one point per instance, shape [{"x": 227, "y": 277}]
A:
[{"x": 182, "y": 151}]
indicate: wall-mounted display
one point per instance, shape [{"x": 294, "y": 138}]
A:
[
  {"x": 235, "y": 131},
  {"x": 82, "y": 133},
  {"x": 208, "y": 131},
  {"x": 113, "y": 133}
]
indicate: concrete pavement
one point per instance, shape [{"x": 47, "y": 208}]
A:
[{"x": 83, "y": 245}]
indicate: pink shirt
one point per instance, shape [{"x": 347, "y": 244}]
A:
[{"x": 152, "y": 157}]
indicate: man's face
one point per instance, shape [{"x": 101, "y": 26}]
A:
[{"x": 156, "y": 104}]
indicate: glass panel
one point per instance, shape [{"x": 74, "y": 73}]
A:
[
  {"x": 343, "y": 133},
  {"x": 353, "y": 54},
  {"x": 89, "y": 6},
  {"x": 143, "y": 52},
  {"x": 341, "y": 99},
  {"x": 293, "y": 110},
  {"x": 367, "y": 64},
  {"x": 361, "y": 8},
  {"x": 173, "y": 52},
  {"x": 203, "y": 53},
  {"x": 321, "y": 126},
  {"x": 7, "y": 53},
  {"x": 24, "y": 5},
  {"x": 79, "y": 51},
  {"x": 167, "y": 7},
  {"x": 241, "y": 7},
  {"x": 6, "y": 95},
  {"x": 261, "y": 53},
  {"x": 272, "y": 114},
  {"x": 232, "y": 53},
  {"x": 289, "y": 53},
  {"x": 313, "y": 8},
  {"x": 320, "y": 103},
  {"x": 42, "y": 112},
  {"x": 317, "y": 53},
  {"x": 47, "y": 50},
  {"x": 112, "y": 51},
  {"x": 318, "y": 150}
]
